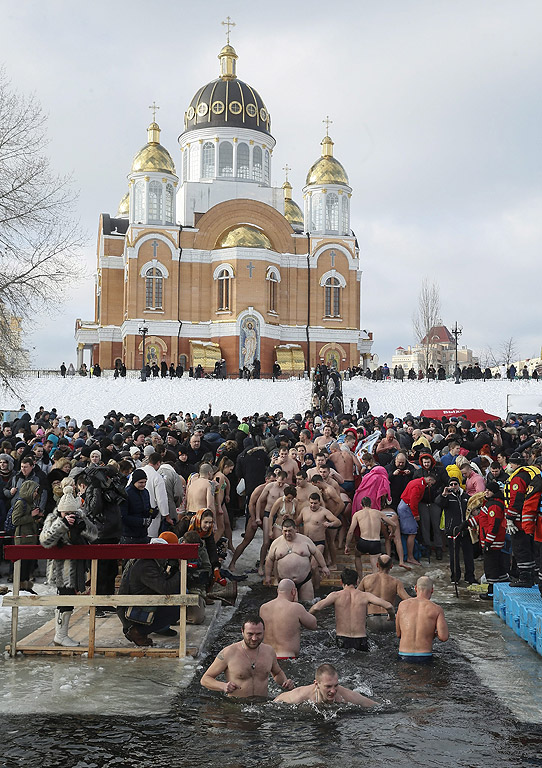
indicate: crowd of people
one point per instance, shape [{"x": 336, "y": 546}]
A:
[
  {"x": 465, "y": 372},
  {"x": 398, "y": 489}
]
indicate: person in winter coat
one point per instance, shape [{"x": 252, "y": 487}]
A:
[
  {"x": 67, "y": 525},
  {"x": 136, "y": 510},
  {"x": 408, "y": 512},
  {"x": 26, "y": 517},
  {"x": 428, "y": 509},
  {"x": 453, "y": 500}
]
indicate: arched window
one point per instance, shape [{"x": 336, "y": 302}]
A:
[
  {"x": 154, "y": 282},
  {"x": 345, "y": 216},
  {"x": 332, "y": 297},
  {"x": 155, "y": 202},
  {"x": 243, "y": 155},
  {"x": 257, "y": 164},
  {"x": 194, "y": 162},
  {"x": 169, "y": 204},
  {"x": 224, "y": 284},
  {"x": 316, "y": 211},
  {"x": 185, "y": 163},
  {"x": 225, "y": 159},
  {"x": 208, "y": 165},
  {"x": 273, "y": 278},
  {"x": 332, "y": 212},
  {"x": 139, "y": 207},
  {"x": 266, "y": 167}
]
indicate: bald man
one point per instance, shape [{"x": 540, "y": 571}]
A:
[
  {"x": 383, "y": 585},
  {"x": 418, "y": 622},
  {"x": 283, "y": 618}
]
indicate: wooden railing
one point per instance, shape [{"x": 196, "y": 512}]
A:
[{"x": 93, "y": 552}]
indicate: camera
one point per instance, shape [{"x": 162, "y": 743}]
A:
[{"x": 75, "y": 531}]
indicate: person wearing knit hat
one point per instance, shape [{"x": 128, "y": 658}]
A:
[
  {"x": 65, "y": 525},
  {"x": 136, "y": 510},
  {"x": 169, "y": 537}
]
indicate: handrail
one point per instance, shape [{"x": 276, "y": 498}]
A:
[{"x": 94, "y": 553}]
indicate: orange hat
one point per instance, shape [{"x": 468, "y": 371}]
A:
[{"x": 170, "y": 537}]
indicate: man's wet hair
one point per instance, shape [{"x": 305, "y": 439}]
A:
[
  {"x": 385, "y": 562},
  {"x": 316, "y": 478},
  {"x": 326, "y": 669},
  {"x": 366, "y": 501},
  {"x": 252, "y": 619},
  {"x": 349, "y": 577},
  {"x": 315, "y": 496},
  {"x": 301, "y": 473},
  {"x": 288, "y": 523}
]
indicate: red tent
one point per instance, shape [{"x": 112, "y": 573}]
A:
[{"x": 472, "y": 414}]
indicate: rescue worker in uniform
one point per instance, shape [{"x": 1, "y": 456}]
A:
[{"x": 522, "y": 498}]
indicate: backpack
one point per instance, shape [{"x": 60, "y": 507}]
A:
[{"x": 9, "y": 528}]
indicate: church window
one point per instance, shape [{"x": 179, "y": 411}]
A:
[
  {"x": 316, "y": 210},
  {"x": 257, "y": 164},
  {"x": 225, "y": 159},
  {"x": 345, "y": 223},
  {"x": 185, "y": 163},
  {"x": 243, "y": 161},
  {"x": 224, "y": 278},
  {"x": 155, "y": 202},
  {"x": 266, "y": 168},
  {"x": 332, "y": 297},
  {"x": 273, "y": 278},
  {"x": 139, "y": 208},
  {"x": 194, "y": 163},
  {"x": 169, "y": 203},
  {"x": 208, "y": 160},
  {"x": 332, "y": 212},
  {"x": 154, "y": 282}
]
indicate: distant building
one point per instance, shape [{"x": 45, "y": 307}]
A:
[{"x": 438, "y": 348}]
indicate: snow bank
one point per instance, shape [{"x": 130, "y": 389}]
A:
[
  {"x": 84, "y": 398},
  {"x": 399, "y": 398},
  {"x": 93, "y": 398}
]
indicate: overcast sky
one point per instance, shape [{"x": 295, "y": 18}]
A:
[{"x": 437, "y": 115}]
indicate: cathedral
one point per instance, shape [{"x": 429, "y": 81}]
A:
[{"x": 206, "y": 261}]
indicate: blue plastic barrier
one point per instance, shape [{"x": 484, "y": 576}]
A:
[{"x": 522, "y": 611}]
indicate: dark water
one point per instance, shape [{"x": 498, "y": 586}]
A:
[{"x": 439, "y": 716}]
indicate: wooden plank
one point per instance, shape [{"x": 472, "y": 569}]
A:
[
  {"x": 89, "y": 600},
  {"x": 15, "y": 611},
  {"x": 156, "y": 651},
  {"x": 101, "y": 552},
  {"x": 92, "y": 609},
  {"x": 182, "y": 616}
]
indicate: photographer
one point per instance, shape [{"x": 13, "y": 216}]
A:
[
  {"x": 66, "y": 525},
  {"x": 453, "y": 500}
]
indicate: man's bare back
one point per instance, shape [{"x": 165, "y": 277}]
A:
[
  {"x": 283, "y": 618},
  {"x": 419, "y": 621},
  {"x": 385, "y": 586},
  {"x": 351, "y": 610},
  {"x": 200, "y": 495}
]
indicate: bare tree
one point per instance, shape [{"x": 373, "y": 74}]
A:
[
  {"x": 39, "y": 237},
  {"x": 426, "y": 317},
  {"x": 505, "y": 354}
]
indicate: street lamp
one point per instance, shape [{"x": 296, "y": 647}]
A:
[
  {"x": 456, "y": 333},
  {"x": 143, "y": 330}
]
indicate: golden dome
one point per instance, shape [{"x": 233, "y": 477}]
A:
[
  {"x": 243, "y": 236},
  {"x": 327, "y": 170},
  {"x": 124, "y": 207},
  {"x": 292, "y": 212},
  {"x": 153, "y": 157}
]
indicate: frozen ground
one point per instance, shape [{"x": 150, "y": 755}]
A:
[{"x": 93, "y": 398}]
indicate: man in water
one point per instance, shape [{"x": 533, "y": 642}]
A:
[
  {"x": 246, "y": 665},
  {"x": 292, "y": 552},
  {"x": 351, "y": 611},
  {"x": 325, "y": 690},
  {"x": 418, "y": 622},
  {"x": 385, "y": 586},
  {"x": 369, "y": 522},
  {"x": 283, "y": 618}
]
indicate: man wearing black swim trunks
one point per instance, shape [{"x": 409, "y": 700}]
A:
[
  {"x": 351, "y": 611},
  {"x": 369, "y": 522}
]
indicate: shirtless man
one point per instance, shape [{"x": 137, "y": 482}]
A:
[
  {"x": 285, "y": 506},
  {"x": 292, "y": 553},
  {"x": 344, "y": 462},
  {"x": 200, "y": 492},
  {"x": 269, "y": 495},
  {"x": 253, "y": 523},
  {"x": 325, "y": 439},
  {"x": 316, "y": 520},
  {"x": 283, "y": 618},
  {"x": 325, "y": 690},
  {"x": 246, "y": 665},
  {"x": 369, "y": 522},
  {"x": 303, "y": 488},
  {"x": 418, "y": 622},
  {"x": 287, "y": 464},
  {"x": 305, "y": 438},
  {"x": 351, "y": 611},
  {"x": 385, "y": 586},
  {"x": 320, "y": 460}
]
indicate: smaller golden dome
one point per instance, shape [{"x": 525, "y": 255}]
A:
[
  {"x": 327, "y": 170},
  {"x": 294, "y": 215},
  {"x": 228, "y": 57},
  {"x": 153, "y": 157},
  {"x": 243, "y": 236},
  {"x": 124, "y": 207}
]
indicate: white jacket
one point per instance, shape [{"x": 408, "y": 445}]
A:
[{"x": 156, "y": 487}]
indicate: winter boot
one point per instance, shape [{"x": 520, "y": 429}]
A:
[
  {"x": 62, "y": 622},
  {"x": 525, "y": 580}
]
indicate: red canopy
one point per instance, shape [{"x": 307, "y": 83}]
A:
[{"x": 472, "y": 414}]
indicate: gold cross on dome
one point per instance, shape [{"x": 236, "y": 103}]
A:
[
  {"x": 228, "y": 23},
  {"x": 286, "y": 169},
  {"x": 154, "y": 108},
  {"x": 328, "y": 122}
]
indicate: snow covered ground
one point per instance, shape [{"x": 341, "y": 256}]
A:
[{"x": 93, "y": 398}]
